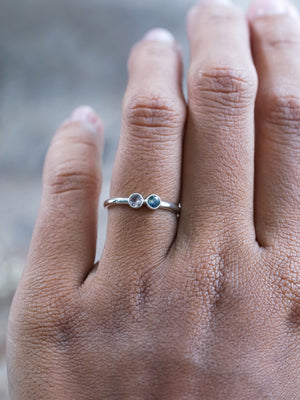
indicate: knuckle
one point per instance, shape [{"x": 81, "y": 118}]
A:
[
  {"x": 119, "y": 305},
  {"x": 152, "y": 51},
  {"x": 232, "y": 16},
  {"x": 279, "y": 32},
  {"x": 153, "y": 114},
  {"x": 285, "y": 277},
  {"x": 282, "y": 42},
  {"x": 49, "y": 315},
  {"x": 217, "y": 275},
  {"x": 66, "y": 320},
  {"x": 214, "y": 16},
  {"x": 203, "y": 275},
  {"x": 79, "y": 133},
  {"x": 72, "y": 163},
  {"x": 280, "y": 107},
  {"x": 65, "y": 178},
  {"x": 227, "y": 86}
]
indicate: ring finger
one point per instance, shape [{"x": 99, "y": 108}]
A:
[{"x": 149, "y": 154}]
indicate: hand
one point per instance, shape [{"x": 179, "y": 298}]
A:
[{"x": 206, "y": 306}]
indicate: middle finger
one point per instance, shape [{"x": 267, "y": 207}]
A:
[{"x": 218, "y": 160}]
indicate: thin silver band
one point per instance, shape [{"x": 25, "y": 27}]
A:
[{"x": 136, "y": 201}]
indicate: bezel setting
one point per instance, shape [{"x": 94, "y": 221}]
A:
[
  {"x": 153, "y": 201},
  {"x": 136, "y": 200}
]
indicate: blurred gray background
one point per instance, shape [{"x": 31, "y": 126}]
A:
[{"x": 54, "y": 56}]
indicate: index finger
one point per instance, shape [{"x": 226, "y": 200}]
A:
[{"x": 64, "y": 239}]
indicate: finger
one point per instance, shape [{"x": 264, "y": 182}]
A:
[
  {"x": 64, "y": 239},
  {"x": 275, "y": 30},
  {"x": 219, "y": 145},
  {"x": 149, "y": 154}
]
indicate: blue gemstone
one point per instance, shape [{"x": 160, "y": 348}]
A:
[{"x": 153, "y": 201}]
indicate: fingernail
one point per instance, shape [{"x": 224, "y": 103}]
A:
[
  {"x": 215, "y": 2},
  {"x": 204, "y": 3},
  {"x": 160, "y": 35},
  {"x": 259, "y": 8},
  {"x": 88, "y": 116}
]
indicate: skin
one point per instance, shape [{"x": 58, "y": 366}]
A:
[{"x": 203, "y": 307}]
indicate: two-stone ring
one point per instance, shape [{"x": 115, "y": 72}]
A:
[{"x": 136, "y": 201}]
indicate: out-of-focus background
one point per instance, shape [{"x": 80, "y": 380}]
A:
[{"x": 55, "y": 55}]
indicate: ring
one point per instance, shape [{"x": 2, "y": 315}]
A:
[{"x": 136, "y": 201}]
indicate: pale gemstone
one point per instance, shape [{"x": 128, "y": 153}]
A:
[{"x": 136, "y": 200}]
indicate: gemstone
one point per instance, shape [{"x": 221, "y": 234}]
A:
[
  {"x": 153, "y": 201},
  {"x": 136, "y": 200}
]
